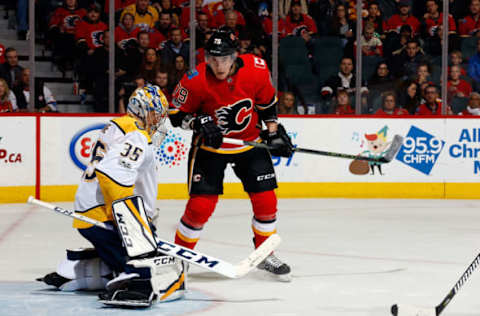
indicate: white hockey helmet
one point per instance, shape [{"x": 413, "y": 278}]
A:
[{"x": 150, "y": 99}]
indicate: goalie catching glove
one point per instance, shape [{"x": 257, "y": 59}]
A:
[
  {"x": 211, "y": 133},
  {"x": 279, "y": 141}
]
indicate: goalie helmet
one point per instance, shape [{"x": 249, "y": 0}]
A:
[{"x": 150, "y": 99}]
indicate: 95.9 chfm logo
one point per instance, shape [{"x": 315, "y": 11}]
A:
[{"x": 420, "y": 150}]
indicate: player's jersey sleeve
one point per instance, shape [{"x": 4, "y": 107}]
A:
[
  {"x": 265, "y": 96},
  {"x": 185, "y": 97}
]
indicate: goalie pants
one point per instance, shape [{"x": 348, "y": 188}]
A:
[
  {"x": 206, "y": 173},
  {"x": 108, "y": 245}
]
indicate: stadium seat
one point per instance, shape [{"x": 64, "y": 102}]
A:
[
  {"x": 458, "y": 104},
  {"x": 293, "y": 51},
  {"x": 469, "y": 47},
  {"x": 327, "y": 52},
  {"x": 369, "y": 65}
]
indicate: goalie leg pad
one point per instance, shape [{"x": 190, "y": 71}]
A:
[
  {"x": 161, "y": 278},
  {"x": 82, "y": 270},
  {"x": 133, "y": 226}
]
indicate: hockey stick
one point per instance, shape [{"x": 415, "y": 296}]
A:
[
  {"x": 406, "y": 310},
  {"x": 194, "y": 257},
  {"x": 389, "y": 154}
]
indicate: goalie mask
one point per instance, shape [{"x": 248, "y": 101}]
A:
[{"x": 150, "y": 105}]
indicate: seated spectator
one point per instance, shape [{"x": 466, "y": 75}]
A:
[
  {"x": 166, "y": 6},
  {"x": 423, "y": 74},
  {"x": 267, "y": 25},
  {"x": 434, "y": 18},
  {"x": 299, "y": 24},
  {"x": 173, "y": 47},
  {"x": 201, "y": 29},
  {"x": 145, "y": 16},
  {"x": 469, "y": 26},
  {"x": 284, "y": 7},
  {"x": 200, "y": 53},
  {"x": 231, "y": 23},
  {"x": 5, "y": 103},
  {"x": 341, "y": 26},
  {"x": 370, "y": 44},
  {"x": 323, "y": 13},
  {"x": 126, "y": 91},
  {"x": 409, "y": 96},
  {"x": 432, "y": 105},
  {"x": 343, "y": 80},
  {"x": 473, "y": 107},
  {"x": 180, "y": 69},
  {"x": 381, "y": 80},
  {"x": 126, "y": 32},
  {"x": 375, "y": 17},
  {"x": 247, "y": 47},
  {"x": 404, "y": 62},
  {"x": 456, "y": 86},
  {"x": 219, "y": 14},
  {"x": 161, "y": 80},
  {"x": 10, "y": 70},
  {"x": 473, "y": 68},
  {"x": 286, "y": 104},
  {"x": 62, "y": 26},
  {"x": 456, "y": 59},
  {"x": 389, "y": 105},
  {"x": 164, "y": 25},
  {"x": 119, "y": 6},
  {"x": 395, "y": 43},
  {"x": 184, "y": 21},
  {"x": 44, "y": 100},
  {"x": 342, "y": 106},
  {"x": 148, "y": 70},
  {"x": 403, "y": 17},
  {"x": 135, "y": 53}
]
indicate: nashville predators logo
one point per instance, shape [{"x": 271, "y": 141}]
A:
[
  {"x": 97, "y": 38},
  {"x": 235, "y": 117}
]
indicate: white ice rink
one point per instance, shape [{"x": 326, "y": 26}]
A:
[{"x": 348, "y": 257}]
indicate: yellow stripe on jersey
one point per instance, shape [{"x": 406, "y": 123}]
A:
[
  {"x": 111, "y": 191},
  {"x": 128, "y": 124},
  {"x": 98, "y": 213},
  {"x": 174, "y": 287},
  {"x": 135, "y": 212},
  {"x": 185, "y": 238},
  {"x": 230, "y": 151},
  {"x": 266, "y": 234}
]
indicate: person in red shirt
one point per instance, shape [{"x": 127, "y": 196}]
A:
[
  {"x": 2, "y": 54},
  {"x": 456, "y": 86},
  {"x": 126, "y": 32},
  {"x": 375, "y": 16},
  {"x": 389, "y": 106},
  {"x": 185, "y": 16},
  {"x": 298, "y": 23},
  {"x": 469, "y": 25},
  {"x": 473, "y": 107},
  {"x": 5, "y": 103},
  {"x": 343, "y": 106},
  {"x": 219, "y": 14},
  {"x": 61, "y": 33},
  {"x": 229, "y": 96},
  {"x": 456, "y": 59},
  {"x": 267, "y": 24},
  {"x": 403, "y": 17},
  {"x": 432, "y": 105},
  {"x": 433, "y": 19}
]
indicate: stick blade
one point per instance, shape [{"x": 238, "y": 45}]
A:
[
  {"x": 410, "y": 310},
  {"x": 249, "y": 263},
  {"x": 394, "y": 148}
]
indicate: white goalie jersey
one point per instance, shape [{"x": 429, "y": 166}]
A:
[{"x": 122, "y": 164}]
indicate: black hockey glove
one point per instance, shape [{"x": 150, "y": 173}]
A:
[
  {"x": 279, "y": 141},
  {"x": 211, "y": 133}
]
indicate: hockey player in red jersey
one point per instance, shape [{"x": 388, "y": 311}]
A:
[{"x": 230, "y": 95}]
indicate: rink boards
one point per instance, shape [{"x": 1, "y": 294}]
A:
[{"x": 440, "y": 158}]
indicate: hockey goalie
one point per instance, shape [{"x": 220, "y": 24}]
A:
[{"x": 119, "y": 188}]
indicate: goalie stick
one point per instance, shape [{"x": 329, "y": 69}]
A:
[
  {"x": 389, "y": 154},
  {"x": 408, "y": 310},
  {"x": 192, "y": 256}
]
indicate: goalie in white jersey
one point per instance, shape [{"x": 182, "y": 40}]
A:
[{"x": 119, "y": 188}]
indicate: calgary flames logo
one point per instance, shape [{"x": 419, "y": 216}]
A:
[
  {"x": 97, "y": 38},
  {"x": 234, "y": 117},
  {"x": 71, "y": 20}
]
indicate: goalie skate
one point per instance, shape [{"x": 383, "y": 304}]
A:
[{"x": 275, "y": 266}]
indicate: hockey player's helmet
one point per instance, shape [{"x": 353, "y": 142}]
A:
[
  {"x": 149, "y": 99},
  {"x": 222, "y": 43}
]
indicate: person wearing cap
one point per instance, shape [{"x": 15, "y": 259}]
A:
[
  {"x": 298, "y": 23},
  {"x": 230, "y": 96},
  {"x": 403, "y": 17},
  {"x": 145, "y": 15}
]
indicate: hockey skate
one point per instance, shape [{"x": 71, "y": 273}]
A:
[{"x": 275, "y": 266}]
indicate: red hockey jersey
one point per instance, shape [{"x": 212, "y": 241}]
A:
[
  {"x": 232, "y": 103},
  {"x": 92, "y": 33},
  {"x": 66, "y": 19},
  {"x": 123, "y": 37}
]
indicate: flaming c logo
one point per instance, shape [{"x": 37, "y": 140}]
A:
[{"x": 235, "y": 117}]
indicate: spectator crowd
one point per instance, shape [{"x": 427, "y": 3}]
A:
[{"x": 401, "y": 47}]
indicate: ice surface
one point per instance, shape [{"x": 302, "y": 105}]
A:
[{"x": 348, "y": 257}]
